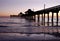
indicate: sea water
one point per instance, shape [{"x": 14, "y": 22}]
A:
[{"x": 10, "y": 28}]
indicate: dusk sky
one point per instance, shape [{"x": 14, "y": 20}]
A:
[{"x": 10, "y": 7}]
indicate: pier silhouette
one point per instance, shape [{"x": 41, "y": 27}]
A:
[{"x": 31, "y": 15}]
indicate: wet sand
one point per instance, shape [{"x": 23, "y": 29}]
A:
[
  {"x": 27, "y": 37},
  {"x": 10, "y": 31}
]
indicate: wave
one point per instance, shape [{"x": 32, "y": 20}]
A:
[
  {"x": 9, "y": 23},
  {"x": 3, "y": 26}
]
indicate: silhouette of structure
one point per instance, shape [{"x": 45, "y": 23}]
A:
[
  {"x": 29, "y": 14},
  {"x": 13, "y": 16},
  {"x": 20, "y": 14}
]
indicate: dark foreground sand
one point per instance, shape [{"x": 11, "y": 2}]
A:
[
  {"x": 28, "y": 40},
  {"x": 27, "y": 37}
]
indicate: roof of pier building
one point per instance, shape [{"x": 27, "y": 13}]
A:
[{"x": 29, "y": 12}]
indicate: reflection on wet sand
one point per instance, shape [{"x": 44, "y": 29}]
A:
[
  {"x": 26, "y": 30},
  {"x": 18, "y": 36}
]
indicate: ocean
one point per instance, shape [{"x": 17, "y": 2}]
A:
[{"x": 10, "y": 29}]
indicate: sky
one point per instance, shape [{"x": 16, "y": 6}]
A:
[{"x": 13, "y": 7}]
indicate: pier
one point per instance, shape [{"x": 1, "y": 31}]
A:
[{"x": 29, "y": 15}]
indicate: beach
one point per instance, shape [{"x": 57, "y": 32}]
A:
[{"x": 19, "y": 29}]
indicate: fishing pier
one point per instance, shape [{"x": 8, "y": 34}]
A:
[{"x": 29, "y": 14}]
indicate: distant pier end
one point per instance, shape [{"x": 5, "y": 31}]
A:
[
  {"x": 19, "y": 15},
  {"x": 13, "y": 16}
]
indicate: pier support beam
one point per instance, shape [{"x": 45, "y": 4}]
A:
[
  {"x": 52, "y": 18},
  {"x": 34, "y": 17},
  {"x": 38, "y": 17},
  {"x": 38, "y": 20},
  {"x": 57, "y": 19},
  {"x": 44, "y": 19},
  {"x": 48, "y": 19}
]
